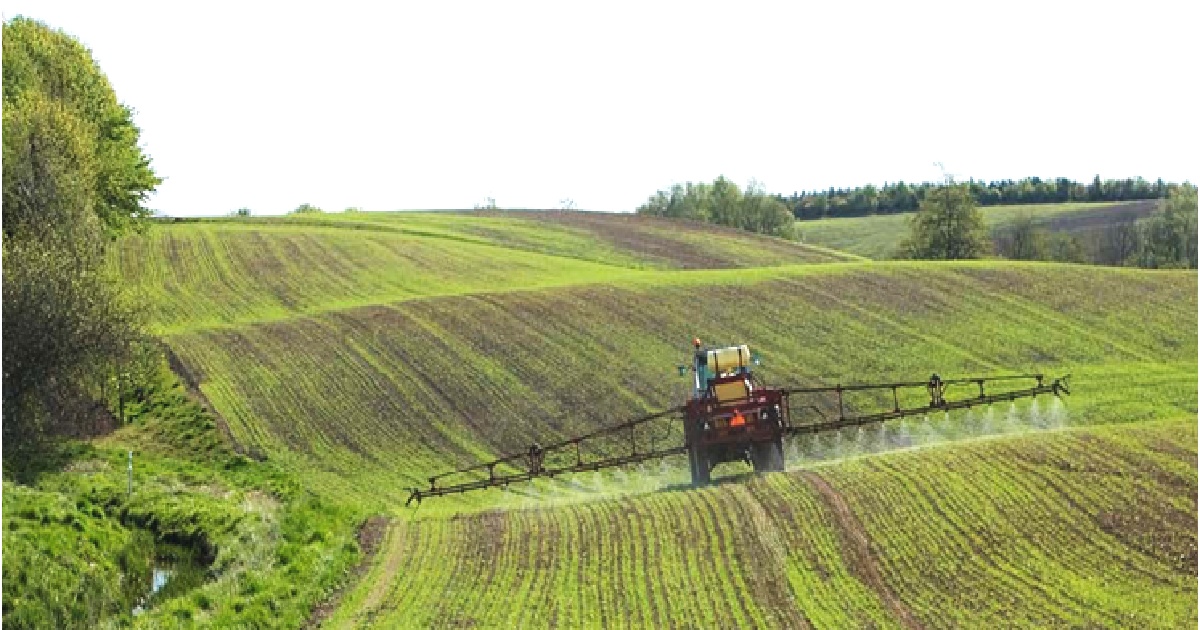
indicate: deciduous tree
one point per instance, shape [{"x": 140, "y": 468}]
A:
[
  {"x": 1170, "y": 234},
  {"x": 74, "y": 178},
  {"x": 1024, "y": 239},
  {"x": 947, "y": 226},
  {"x": 721, "y": 202}
]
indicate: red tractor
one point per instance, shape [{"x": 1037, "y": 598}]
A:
[{"x": 731, "y": 416}]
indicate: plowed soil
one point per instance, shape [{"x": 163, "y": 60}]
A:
[{"x": 680, "y": 244}]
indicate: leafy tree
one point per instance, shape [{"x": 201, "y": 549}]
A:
[
  {"x": 306, "y": 208},
  {"x": 74, "y": 178},
  {"x": 1024, "y": 239},
  {"x": 1096, "y": 190},
  {"x": 948, "y": 226},
  {"x": 1170, "y": 235},
  {"x": 1120, "y": 242},
  {"x": 1064, "y": 247},
  {"x": 765, "y": 214},
  {"x": 723, "y": 203},
  {"x": 241, "y": 212},
  {"x": 41, "y": 60}
]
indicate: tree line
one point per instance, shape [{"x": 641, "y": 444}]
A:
[
  {"x": 949, "y": 226},
  {"x": 74, "y": 180},
  {"x": 902, "y": 197},
  {"x": 723, "y": 203},
  {"x": 946, "y": 222},
  {"x": 1165, "y": 239}
]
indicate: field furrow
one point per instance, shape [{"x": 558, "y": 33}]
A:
[{"x": 1042, "y": 553}]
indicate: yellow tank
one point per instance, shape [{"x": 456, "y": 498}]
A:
[
  {"x": 727, "y": 392},
  {"x": 728, "y": 359}
]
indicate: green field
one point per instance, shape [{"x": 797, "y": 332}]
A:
[
  {"x": 878, "y": 237},
  {"x": 413, "y": 419},
  {"x": 1017, "y": 531},
  {"x": 438, "y": 382},
  {"x": 359, "y": 353},
  {"x": 230, "y": 271}
]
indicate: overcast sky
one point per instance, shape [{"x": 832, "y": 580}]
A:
[{"x": 389, "y": 106}]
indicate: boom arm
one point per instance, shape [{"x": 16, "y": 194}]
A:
[
  {"x": 533, "y": 459},
  {"x": 935, "y": 386}
]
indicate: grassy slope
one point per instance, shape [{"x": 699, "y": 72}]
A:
[
  {"x": 878, "y": 237},
  {"x": 78, "y": 549},
  {"x": 361, "y": 395}
]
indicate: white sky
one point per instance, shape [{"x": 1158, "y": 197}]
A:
[{"x": 443, "y": 104}]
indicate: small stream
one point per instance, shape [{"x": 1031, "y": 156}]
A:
[
  {"x": 159, "y": 578},
  {"x": 157, "y": 571}
]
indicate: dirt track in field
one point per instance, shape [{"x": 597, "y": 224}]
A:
[
  {"x": 860, "y": 558},
  {"x": 370, "y": 538}
]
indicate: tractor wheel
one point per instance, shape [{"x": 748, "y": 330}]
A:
[
  {"x": 767, "y": 456},
  {"x": 698, "y": 459},
  {"x": 758, "y": 457},
  {"x": 778, "y": 462}
]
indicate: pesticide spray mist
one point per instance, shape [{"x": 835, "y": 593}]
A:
[
  {"x": 1001, "y": 419},
  {"x": 809, "y": 449}
]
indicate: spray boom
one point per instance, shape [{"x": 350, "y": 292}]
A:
[{"x": 732, "y": 416}]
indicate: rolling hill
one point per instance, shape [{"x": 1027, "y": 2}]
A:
[
  {"x": 199, "y": 274},
  {"x": 363, "y": 352},
  {"x": 424, "y": 384},
  {"x": 878, "y": 237}
]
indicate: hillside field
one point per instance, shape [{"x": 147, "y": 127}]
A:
[
  {"x": 353, "y": 355},
  {"x": 691, "y": 411},
  {"x": 201, "y": 274},
  {"x": 426, "y": 384},
  {"x": 1018, "y": 531},
  {"x": 878, "y": 237}
]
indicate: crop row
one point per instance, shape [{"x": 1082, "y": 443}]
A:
[
  {"x": 720, "y": 557},
  {"x": 207, "y": 275},
  {"x": 622, "y": 239},
  {"x": 1021, "y": 531}
]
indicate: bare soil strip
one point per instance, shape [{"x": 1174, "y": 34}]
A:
[
  {"x": 860, "y": 558},
  {"x": 370, "y": 537}
]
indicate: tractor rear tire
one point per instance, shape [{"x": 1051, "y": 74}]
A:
[
  {"x": 778, "y": 461},
  {"x": 701, "y": 473},
  {"x": 767, "y": 456}
]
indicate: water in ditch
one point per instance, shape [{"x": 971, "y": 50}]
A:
[{"x": 156, "y": 571}]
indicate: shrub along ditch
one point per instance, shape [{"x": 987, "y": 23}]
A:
[{"x": 247, "y": 545}]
